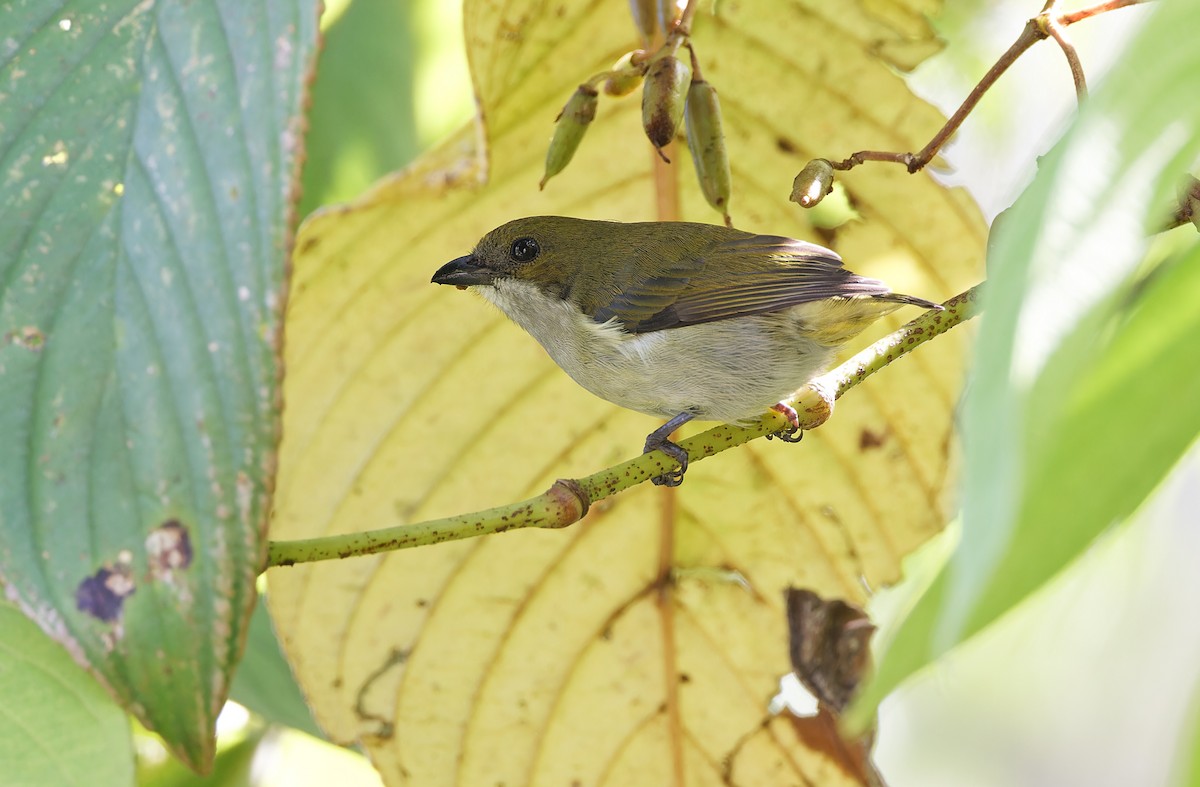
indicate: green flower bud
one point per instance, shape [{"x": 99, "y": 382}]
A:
[
  {"x": 645, "y": 14},
  {"x": 706, "y": 142},
  {"x": 664, "y": 97},
  {"x": 813, "y": 183},
  {"x": 626, "y": 74},
  {"x": 571, "y": 124}
]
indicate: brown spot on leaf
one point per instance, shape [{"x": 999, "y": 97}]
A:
[
  {"x": 830, "y": 655},
  {"x": 168, "y": 548},
  {"x": 828, "y": 645},
  {"x": 868, "y": 439},
  {"x": 853, "y": 757},
  {"x": 29, "y": 337},
  {"x": 785, "y": 145},
  {"x": 103, "y": 594}
]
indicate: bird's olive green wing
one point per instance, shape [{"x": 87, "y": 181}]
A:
[{"x": 751, "y": 275}]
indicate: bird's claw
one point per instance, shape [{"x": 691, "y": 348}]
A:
[
  {"x": 792, "y": 433},
  {"x": 788, "y": 434},
  {"x": 673, "y": 478},
  {"x": 673, "y": 450}
]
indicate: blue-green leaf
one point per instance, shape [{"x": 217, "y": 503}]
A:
[{"x": 148, "y": 152}]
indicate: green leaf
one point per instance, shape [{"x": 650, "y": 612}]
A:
[
  {"x": 1187, "y": 765},
  {"x": 148, "y": 151},
  {"x": 57, "y": 726},
  {"x": 359, "y": 131},
  {"x": 232, "y": 767},
  {"x": 1087, "y": 371},
  {"x": 264, "y": 682}
]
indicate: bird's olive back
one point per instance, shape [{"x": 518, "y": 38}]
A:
[{"x": 593, "y": 261}]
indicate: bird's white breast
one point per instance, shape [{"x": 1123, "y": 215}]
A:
[{"x": 728, "y": 370}]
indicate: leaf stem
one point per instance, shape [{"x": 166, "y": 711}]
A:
[
  {"x": 567, "y": 501},
  {"x": 685, "y": 19},
  {"x": 1054, "y": 27}
]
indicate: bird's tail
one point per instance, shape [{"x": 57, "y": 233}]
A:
[{"x": 835, "y": 321}]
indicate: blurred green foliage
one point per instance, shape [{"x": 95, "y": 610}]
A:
[
  {"x": 1086, "y": 368},
  {"x": 49, "y": 704},
  {"x": 391, "y": 80}
]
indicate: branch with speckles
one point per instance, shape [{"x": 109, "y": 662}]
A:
[{"x": 567, "y": 501}]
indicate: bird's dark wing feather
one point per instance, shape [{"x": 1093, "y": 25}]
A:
[{"x": 752, "y": 275}]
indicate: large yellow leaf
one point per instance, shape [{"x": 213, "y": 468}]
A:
[{"x": 642, "y": 645}]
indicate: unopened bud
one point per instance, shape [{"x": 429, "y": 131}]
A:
[
  {"x": 626, "y": 74},
  {"x": 706, "y": 142},
  {"x": 813, "y": 183},
  {"x": 664, "y": 97},
  {"x": 570, "y": 126},
  {"x": 645, "y": 16}
]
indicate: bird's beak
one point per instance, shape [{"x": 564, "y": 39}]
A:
[{"x": 463, "y": 272}]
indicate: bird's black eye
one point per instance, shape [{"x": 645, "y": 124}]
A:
[{"x": 524, "y": 249}]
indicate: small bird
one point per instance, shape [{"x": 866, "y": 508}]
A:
[{"x": 674, "y": 319}]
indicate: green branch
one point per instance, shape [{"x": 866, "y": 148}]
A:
[{"x": 567, "y": 501}]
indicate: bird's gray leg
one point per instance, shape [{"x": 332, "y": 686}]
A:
[
  {"x": 658, "y": 441},
  {"x": 792, "y": 433}
]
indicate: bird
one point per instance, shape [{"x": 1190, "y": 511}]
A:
[{"x": 677, "y": 320}]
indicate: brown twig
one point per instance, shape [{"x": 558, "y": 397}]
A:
[
  {"x": 684, "y": 28},
  {"x": 1044, "y": 25},
  {"x": 915, "y": 162},
  {"x": 1054, "y": 28},
  {"x": 1099, "y": 8}
]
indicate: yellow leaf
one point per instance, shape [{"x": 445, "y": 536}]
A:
[{"x": 642, "y": 645}]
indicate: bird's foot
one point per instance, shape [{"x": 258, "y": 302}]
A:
[
  {"x": 676, "y": 452},
  {"x": 791, "y": 433},
  {"x": 659, "y": 440}
]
